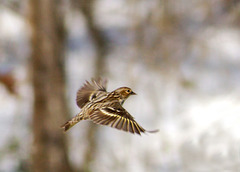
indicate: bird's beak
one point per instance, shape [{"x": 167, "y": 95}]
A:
[{"x": 132, "y": 93}]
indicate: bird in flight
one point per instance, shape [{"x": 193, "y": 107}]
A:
[{"x": 104, "y": 108}]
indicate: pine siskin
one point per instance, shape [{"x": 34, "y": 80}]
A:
[{"x": 104, "y": 108}]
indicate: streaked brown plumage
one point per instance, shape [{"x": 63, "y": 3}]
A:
[{"x": 104, "y": 108}]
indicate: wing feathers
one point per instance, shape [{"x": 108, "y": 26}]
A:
[
  {"x": 136, "y": 128},
  {"x": 89, "y": 91},
  {"x": 117, "y": 118},
  {"x": 124, "y": 126},
  {"x": 107, "y": 113},
  {"x": 120, "y": 123},
  {"x": 130, "y": 127},
  {"x": 114, "y": 121}
]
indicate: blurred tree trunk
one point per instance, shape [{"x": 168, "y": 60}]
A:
[
  {"x": 87, "y": 9},
  {"x": 98, "y": 39},
  {"x": 49, "y": 151}
]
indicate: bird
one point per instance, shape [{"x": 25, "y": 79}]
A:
[{"x": 104, "y": 108}]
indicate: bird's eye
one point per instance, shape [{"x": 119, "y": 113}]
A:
[{"x": 128, "y": 91}]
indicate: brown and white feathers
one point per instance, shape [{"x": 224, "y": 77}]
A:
[{"x": 105, "y": 108}]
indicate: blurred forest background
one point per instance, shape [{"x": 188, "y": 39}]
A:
[{"x": 182, "y": 58}]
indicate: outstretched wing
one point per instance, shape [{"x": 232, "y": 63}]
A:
[
  {"x": 89, "y": 91},
  {"x": 117, "y": 117}
]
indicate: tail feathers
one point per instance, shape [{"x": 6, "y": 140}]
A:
[
  {"x": 66, "y": 126},
  {"x": 69, "y": 124}
]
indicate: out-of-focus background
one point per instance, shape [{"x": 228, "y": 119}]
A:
[{"x": 182, "y": 58}]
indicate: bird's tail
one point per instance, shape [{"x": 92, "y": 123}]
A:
[{"x": 72, "y": 122}]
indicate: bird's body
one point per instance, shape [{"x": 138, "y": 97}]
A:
[{"x": 104, "y": 107}]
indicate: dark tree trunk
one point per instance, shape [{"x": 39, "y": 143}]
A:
[{"x": 49, "y": 151}]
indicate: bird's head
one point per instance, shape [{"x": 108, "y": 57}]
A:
[{"x": 124, "y": 92}]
